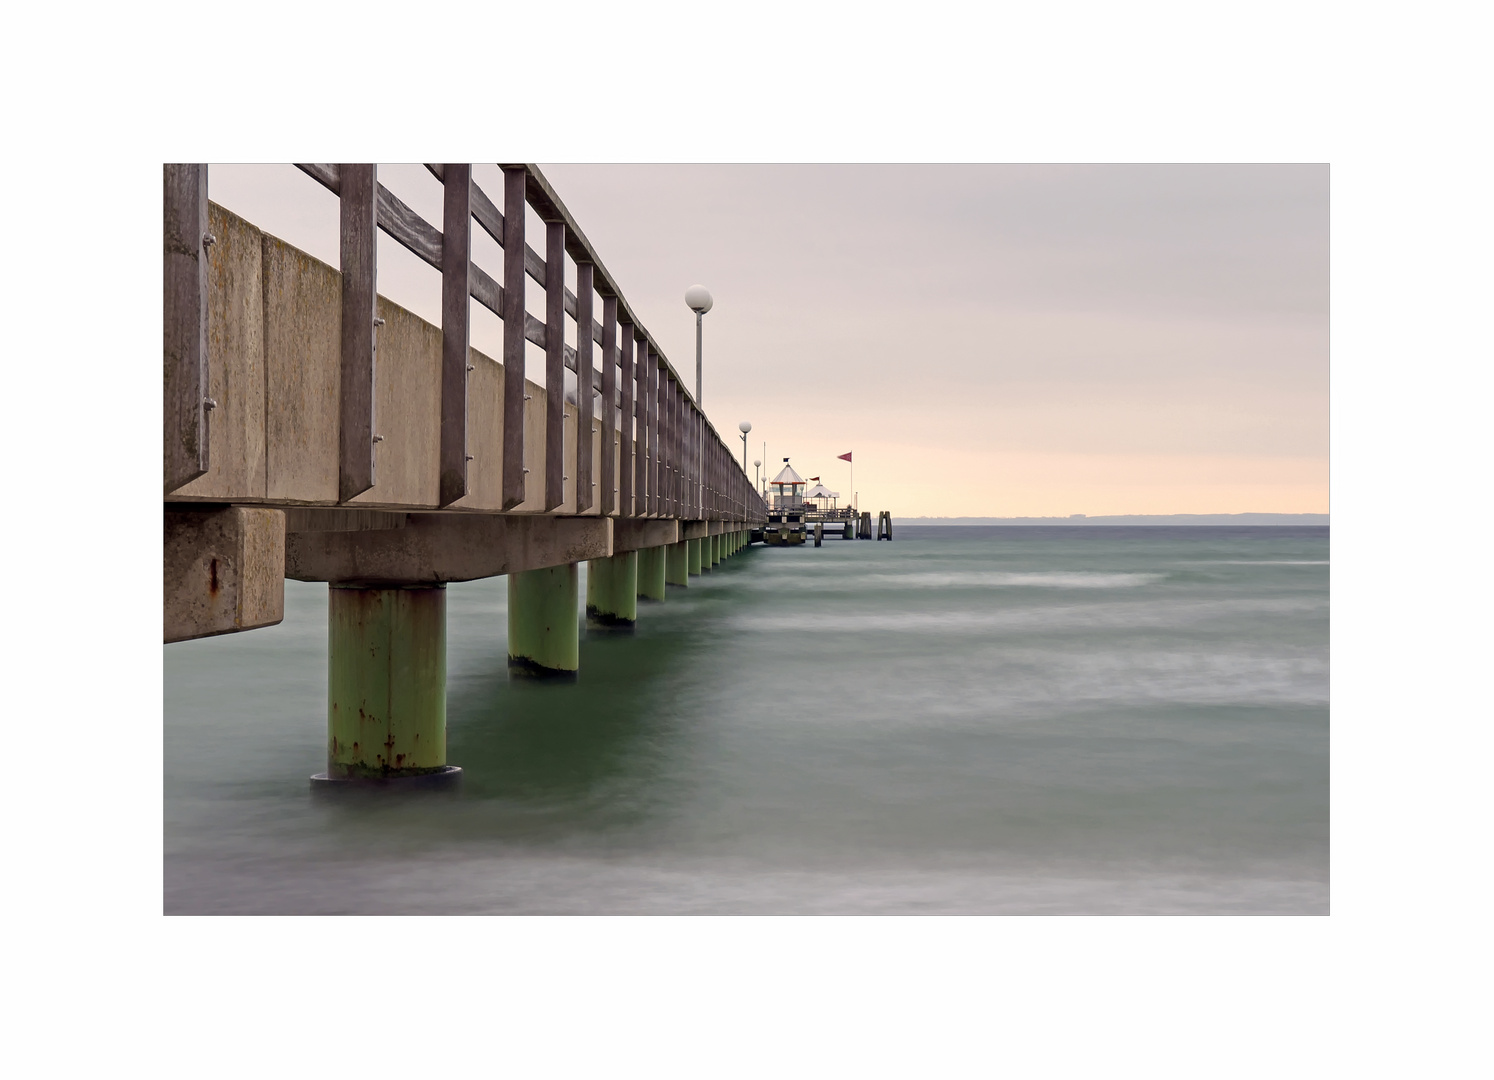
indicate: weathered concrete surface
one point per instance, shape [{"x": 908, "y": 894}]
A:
[
  {"x": 236, "y": 364},
  {"x": 631, "y": 534},
  {"x": 224, "y": 570},
  {"x": 694, "y": 530},
  {"x": 337, "y": 519},
  {"x": 303, "y": 363},
  {"x": 407, "y": 411},
  {"x": 446, "y": 547},
  {"x": 275, "y": 370},
  {"x": 484, "y": 435}
]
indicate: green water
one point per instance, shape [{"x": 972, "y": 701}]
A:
[{"x": 1046, "y": 720}]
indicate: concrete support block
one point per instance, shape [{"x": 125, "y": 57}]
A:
[
  {"x": 677, "y": 563},
  {"x": 651, "y": 574},
  {"x": 692, "y": 548},
  {"x": 694, "y": 530},
  {"x": 544, "y": 635},
  {"x": 224, "y": 571},
  {"x": 386, "y": 681},
  {"x": 447, "y": 547},
  {"x": 612, "y": 592},
  {"x": 635, "y": 534}
]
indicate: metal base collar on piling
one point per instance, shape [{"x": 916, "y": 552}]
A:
[{"x": 446, "y": 778}]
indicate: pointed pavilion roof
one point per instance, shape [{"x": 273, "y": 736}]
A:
[
  {"x": 820, "y": 491},
  {"x": 788, "y": 476}
]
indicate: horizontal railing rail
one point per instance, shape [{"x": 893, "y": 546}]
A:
[{"x": 681, "y": 468}]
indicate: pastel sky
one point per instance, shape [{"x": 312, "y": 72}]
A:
[{"x": 988, "y": 340}]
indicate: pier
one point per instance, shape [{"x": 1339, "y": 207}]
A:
[
  {"x": 315, "y": 430},
  {"x": 795, "y": 515}
]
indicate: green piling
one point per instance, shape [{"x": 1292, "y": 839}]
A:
[
  {"x": 544, "y": 635},
  {"x": 716, "y": 550},
  {"x": 386, "y": 681},
  {"x": 692, "y": 548},
  {"x": 677, "y": 563},
  {"x": 651, "y": 576},
  {"x": 612, "y": 592}
]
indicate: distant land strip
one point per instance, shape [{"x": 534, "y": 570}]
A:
[{"x": 1130, "y": 519}]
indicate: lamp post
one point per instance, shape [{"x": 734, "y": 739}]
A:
[
  {"x": 744, "y": 427},
  {"x": 698, "y": 299},
  {"x": 757, "y": 475}
]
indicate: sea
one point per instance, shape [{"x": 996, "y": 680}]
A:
[{"x": 1058, "y": 720}]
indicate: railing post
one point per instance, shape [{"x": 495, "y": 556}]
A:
[
  {"x": 628, "y": 466},
  {"x": 672, "y": 390},
  {"x": 184, "y": 333},
  {"x": 555, "y": 364},
  {"x": 514, "y": 181},
  {"x": 611, "y": 444},
  {"x": 585, "y": 374},
  {"x": 358, "y": 199},
  {"x": 652, "y": 470},
  {"x": 456, "y": 328}
]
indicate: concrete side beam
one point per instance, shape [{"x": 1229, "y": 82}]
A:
[
  {"x": 224, "y": 571},
  {"x": 634, "y": 534},
  {"x": 447, "y": 547},
  {"x": 694, "y": 530},
  {"x": 328, "y": 519}
]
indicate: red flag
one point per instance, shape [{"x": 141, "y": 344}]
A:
[{"x": 845, "y": 457}]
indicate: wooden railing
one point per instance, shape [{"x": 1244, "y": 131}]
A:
[{"x": 681, "y": 468}]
